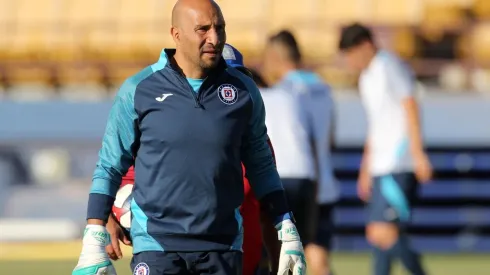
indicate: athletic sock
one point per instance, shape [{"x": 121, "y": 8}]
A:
[
  {"x": 382, "y": 261},
  {"x": 409, "y": 258}
]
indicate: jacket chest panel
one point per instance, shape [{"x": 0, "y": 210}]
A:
[{"x": 170, "y": 116}]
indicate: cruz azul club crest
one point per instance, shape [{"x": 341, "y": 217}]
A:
[
  {"x": 141, "y": 269},
  {"x": 228, "y": 94}
]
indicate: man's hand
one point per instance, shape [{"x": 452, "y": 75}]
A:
[
  {"x": 364, "y": 185},
  {"x": 423, "y": 168},
  {"x": 93, "y": 259},
  {"x": 292, "y": 254},
  {"x": 116, "y": 232}
]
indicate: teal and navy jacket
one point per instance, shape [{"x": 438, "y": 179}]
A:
[{"x": 187, "y": 139}]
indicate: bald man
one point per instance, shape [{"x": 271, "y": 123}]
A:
[{"x": 187, "y": 123}]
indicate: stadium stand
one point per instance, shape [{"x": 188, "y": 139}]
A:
[
  {"x": 401, "y": 12},
  {"x": 114, "y": 37},
  {"x": 451, "y": 215}
]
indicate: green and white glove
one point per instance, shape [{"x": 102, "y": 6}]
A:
[
  {"x": 93, "y": 259},
  {"x": 292, "y": 256}
]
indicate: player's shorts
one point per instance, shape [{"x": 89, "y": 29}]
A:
[
  {"x": 392, "y": 198},
  {"x": 325, "y": 226},
  {"x": 301, "y": 196},
  {"x": 160, "y": 263}
]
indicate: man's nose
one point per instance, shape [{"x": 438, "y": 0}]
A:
[{"x": 213, "y": 37}]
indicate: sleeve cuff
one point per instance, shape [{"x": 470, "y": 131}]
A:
[
  {"x": 99, "y": 206},
  {"x": 279, "y": 219},
  {"x": 276, "y": 205}
]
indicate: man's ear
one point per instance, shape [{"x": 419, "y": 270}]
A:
[{"x": 175, "y": 34}]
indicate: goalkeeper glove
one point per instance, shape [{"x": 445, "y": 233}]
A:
[
  {"x": 93, "y": 259},
  {"x": 292, "y": 256}
]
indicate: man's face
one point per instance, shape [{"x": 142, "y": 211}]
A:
[
  {"x": 271, "y": 63},
  {"x": 357, "y": 58},
  {"x": 202, "y": 37}
]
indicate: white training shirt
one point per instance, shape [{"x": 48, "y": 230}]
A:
[
  {"x": 300, "y": 109},
  {"x": 383, "y": 85}
]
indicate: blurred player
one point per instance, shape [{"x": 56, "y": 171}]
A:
[
  {"x": 300, "y": 117},
  {"x": 394, "y": 159},
  {"x": 250, "y": 209}
]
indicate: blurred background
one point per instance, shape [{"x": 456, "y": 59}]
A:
[{"x": 61, "y": 61}]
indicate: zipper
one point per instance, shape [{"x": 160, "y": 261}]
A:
[
  {"x": 197, "y": 103},
  {"x": 195, "y": 95}
]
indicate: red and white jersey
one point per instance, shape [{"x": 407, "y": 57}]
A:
[{"x": 252, "y": 237}]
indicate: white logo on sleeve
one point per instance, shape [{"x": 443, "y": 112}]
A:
[
  {"x": 228, "y": 94},
  {"x": 141, "y": 269},
  {"x": 163, "y": 97}
]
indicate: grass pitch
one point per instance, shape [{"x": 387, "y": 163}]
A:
[{"x": 60, "y": 258}]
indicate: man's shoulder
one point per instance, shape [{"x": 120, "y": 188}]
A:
[
  {"x": 389, "y": 62},
  {"x": 138, "y": 77},
  {"x": 244, "y": 82},
  {"x": 241, "y": 78},
  {"x": 304, "y": 82},
  {"x": 130, "y": 84}
]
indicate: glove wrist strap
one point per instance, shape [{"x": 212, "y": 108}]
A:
[{"x": 95, "y": 239}]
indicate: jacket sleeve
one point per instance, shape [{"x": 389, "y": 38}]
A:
[{"x": 117, "y": 153}]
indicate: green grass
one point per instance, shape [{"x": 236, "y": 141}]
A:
[{"x": 344, "y": 264}]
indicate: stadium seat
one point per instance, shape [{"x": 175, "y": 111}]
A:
[
  {"x": 71, "y": 74},
  {"x": 438, "y": 189},
  {"x": 403, "y": 42},
  {"x": 480, "y": 80},
  {"x": 450, "y": 161},
  {"x": 134, "y": 29},
  {"x": 27, "y": 92},
  {"x": 453, "y": 78},
  {"x": 26, "y": 80},
  {"x": 463, "y": 46},
  {"x": 90, "y": 92},
  {"x": 440, "y": 16},
  {"x": 317, "y": 44},
  {"x": 480, "y": 41},
  {"x": 344, "y": 11},
  {"x": 400, "y": 12},
  {"x": 287, "y": 13},
  {"x": 245, "y": 25},
  {"x": 481, "y": 9},
  {"x": 165, "y": 7},
  {"x": 2, "y": 92},
  {"x": 246, "y": 13},
  {"x": 428, "y": 217},
  {"x": 92, "y": 23},
  {"x": 249, "y": 41},
  {"x": 337, "y": 77},
  {"x": 28, "y": 73},
  {"x": 35, "y": 23},
  {"x": 7, "y": 19}
]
